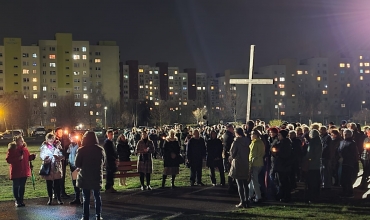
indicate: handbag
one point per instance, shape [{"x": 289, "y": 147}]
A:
[{"x": 45, "y": 169}]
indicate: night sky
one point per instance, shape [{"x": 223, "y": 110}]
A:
[{"x": 211, "y": 35}]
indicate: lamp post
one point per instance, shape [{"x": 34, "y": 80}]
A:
[
  {"x": 278, "y": 109},
  {"x": 105, "y": 117},
  {"x": 362, "y": 103}
]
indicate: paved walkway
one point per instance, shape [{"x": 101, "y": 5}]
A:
[{"x": 134, "y": 204}]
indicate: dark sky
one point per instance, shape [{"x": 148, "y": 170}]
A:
[{"x": 211, "y": 35}]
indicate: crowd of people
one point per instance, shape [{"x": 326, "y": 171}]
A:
[{"x": 261, "y": 162}]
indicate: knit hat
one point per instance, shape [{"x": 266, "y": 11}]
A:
[{"x": 284, "y": 133}]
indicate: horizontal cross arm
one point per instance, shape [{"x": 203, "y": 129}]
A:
[{"x": 253, "y": 81}]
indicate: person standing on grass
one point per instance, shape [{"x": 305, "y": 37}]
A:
[
  {"x": 64, "y": 143},
  {"x": 257, "y": 152},
  {"x": 171, "y": 154},
  {"x": 111, "y": 163},
  {"x": 239, "y": 170},
  {"x": 19, "y": 157},
  {"x": 195, "y": 154},
  {"x": 214, "y": 158},
  {"x": 144, "y": 149},
  {"x": 124, "y": 153},
  {"x": 72, "y": 150},
  {"x": 50, "y": 152},
  {"x": 90, "y": 159}
]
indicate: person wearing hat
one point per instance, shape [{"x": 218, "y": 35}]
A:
[
  {"x": 239, "y": 170},
  {"x": 282, "y": 154}
]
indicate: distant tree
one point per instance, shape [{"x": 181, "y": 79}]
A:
[
  {"x": 275, "y": 122},
  {"x": 199, "y": 113},
  {"x": 160, "y": 114},
  {"x": 66, "y": 113},
  {"x": 16, "y": 110},
  {"x": 232, "y": 106}
]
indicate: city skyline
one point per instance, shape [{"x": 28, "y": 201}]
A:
[{"x": 198, "y": 34}]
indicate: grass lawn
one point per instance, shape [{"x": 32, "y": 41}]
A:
[{"x": 331, "y": 208}]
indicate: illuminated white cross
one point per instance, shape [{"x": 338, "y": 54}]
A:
[{"x": 250, "y": 81}]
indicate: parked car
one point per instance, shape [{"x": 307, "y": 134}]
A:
[
  {"x": 39, "y": 132},
  {"x": 9, "y": 134}
]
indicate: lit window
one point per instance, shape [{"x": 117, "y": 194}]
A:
[
  {"x": 150, "y": 82},
  {"x": 281, "y": 86},
  {"x": 175, "y": 71},
  {"x": 360, "y": 57},
  {"x": 185, "y": 103},
  {"x": 184, "y": 78},
  {"x": 156, "y": 103},
  {"x": 141, "y": 86},
  {"x": 45, "y": 104},
  {"x": 91, "y": 113},
  {"x": 141, "y": 70},
  {"x": 361, "y": 78},
  {"x": 318, "y": 78},
  {"x": 170, "y": 77},
  {"x": 170, "y": 87},
  {"x": 84, "y": 57},
  {"x": 366, "y": 64},
  {"x": 97, "y": 60},
  {"x": 85, "y": 96},
  {"x": 44, "y": 88},
  {"x": 146, "y": 86},
  {"x": 282, "y": 113},
  {"x": 150, "y": 93},
  {"x": 282, "y": 79},
  {"x": 361, "y": 71},
  {"x": 204, "y": 88},
  {"x": 324, "y": 92},
  {"x": 150, "y": 87},
  {"x": 275, "y": 79},
  {"x": 52, "y": 56},
  {"x": 342, "y": 65},
  {"x": 276, "y": 92},
  {"x": 299, "y": 72},
  {"x": 125, "y": 76},
  {"x": 348, "y": 65},
  {"x": 34, "y": 55},
  {"x": 26, "y": 71},
  {"x": 34, "y": 80},
  {"x": 34, "y": 88},
  {"x": 150, "y": 72},
  {"x": 150, "y": 98},
  {"x": 293, "y": 95},
  {"x": 34, "y": 71},
  {"x": 282, "y": 93},
  {"x": 361, "y": 64},
  {"x": 348, "y": 85},
  {"x": 53, "y": 104},
  {"x": 77, "y": 103},
  {"x": 171, "y": 93},
  {"x": 367, "y": 71},
  {"x": 83, "y": 49},
  {"x": 52, "y": 65},
  {"x": 199, "y": 88},
  {"x": 343, "y": 105},
  {"x": 212, "y": 87},
  {"x": 306, "y": 72},
  {"x": 156, "y": 72},
  {"x": 184, "y": 88}
]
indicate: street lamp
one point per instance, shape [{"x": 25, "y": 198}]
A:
[
  {"x": 278, "y": 109},
  {"x": 105, "y": 117},
  {"x": 363, "y": 102}
]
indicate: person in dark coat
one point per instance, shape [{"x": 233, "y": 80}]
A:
[
  {"x": 348, "y": 158},
  {"x": 124, "y": 153},
  {"x": 90, "y": 159},
  {"x": 283, "y": 164},
  {"x": 334, "y": 145},
  {"x": 196, "y": 152},
  {"x": 272, "y": 141},
  {"x": 171, "y": 156},
  {"x": 111, "y": 163},
  {"x": 325, "y": 169},
  {"x": 214, "y": 158},
  {"x": 144, "y": 149},
  {"x": 297, "y": 158},
  {"x": 62, "y": 137},
  {"x": 154, "y": 137},
  {"x": 228, "y": 139}
]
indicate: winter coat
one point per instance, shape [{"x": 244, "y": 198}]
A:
[
  {"x": 56, "y": 171},
  {"x": 257, "y": 151},
  {"x": 144, "y": 162},
  {"x": 19, "y": 168},
  {"x": 296, "y": 150},
  {"x": 111, "y": 155},
  {"x": 325, "y": 142},
  {"x": 171, "y": 146},
  {"x": 90, "y": 160},
  {"x": 348, "y": 151},
  {"x": 214, "y": 152},
  {"x": 314, "y": 152},
  {"x": 239, "y": 156},
  {"x": 123, "y": 150},
  {"x": 228, "y": 139},
  {"x": 196, "y": 151},
  {"x": 283, "y": 159}
]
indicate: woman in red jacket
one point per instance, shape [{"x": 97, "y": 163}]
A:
[{"x": 19, "y": 157}]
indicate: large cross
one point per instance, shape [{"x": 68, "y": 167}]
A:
[{"x": 250, "y": 81}]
